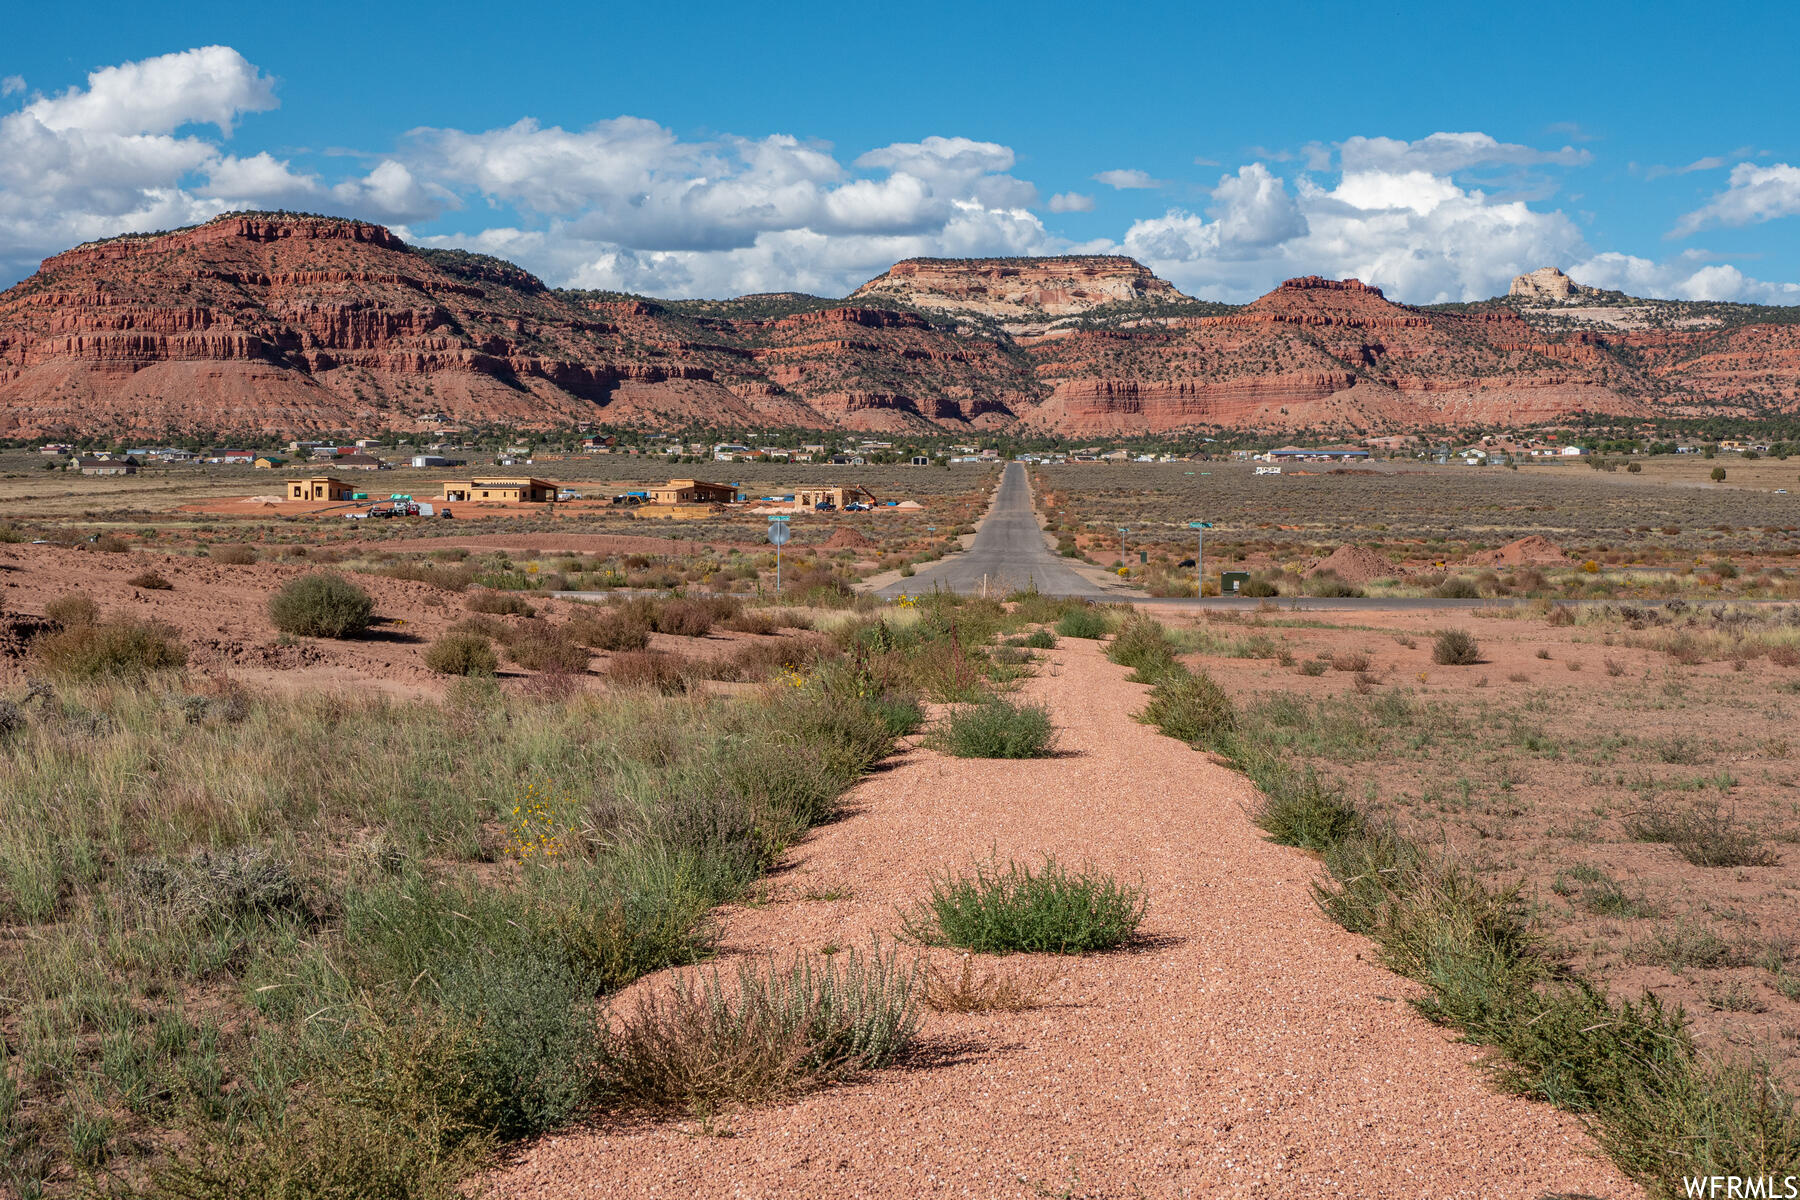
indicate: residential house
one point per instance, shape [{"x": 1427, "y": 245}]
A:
[
  {"x": 503, "y": 491},
  {"x": 359, "y": 462},
  {"x": 693, "y": 491},
  {"x": 318, "y": 488},
  {"x": 107, "y": 466}
]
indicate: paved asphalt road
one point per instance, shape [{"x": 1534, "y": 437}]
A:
[{"x": 1009, "y": 553}]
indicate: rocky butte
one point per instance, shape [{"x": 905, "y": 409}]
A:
[
  {"x": 1015, "y": 290},
  {"x": 277, "y": 323}
]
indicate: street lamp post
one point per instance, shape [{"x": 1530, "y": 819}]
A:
[{"x": 1199, "y": 528}]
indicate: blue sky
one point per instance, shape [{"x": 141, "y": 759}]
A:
[{"x": 717, "y": 149}]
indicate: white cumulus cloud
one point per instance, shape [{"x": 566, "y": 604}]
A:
[
  {"x": 1444, "y": 153},
  {"x": 1063, "y": 202},
  {"x": 1755, "y": 194},
  {"x": 1129, "y": 179}
]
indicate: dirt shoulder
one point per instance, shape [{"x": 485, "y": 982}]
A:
[{"x": 1246, "y": 1046}]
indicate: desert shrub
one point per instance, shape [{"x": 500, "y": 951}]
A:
[
  {"x": 758, "y": 660},
  {"x": 1457, "y": 587},
  {"x": 1706, "y": 834},
  {"x": 491, "y": 628},
  {"x": 1314, "y": 667},
  {"x": 1039, "y": 639},
  {"x": 996, "y": 728},
  {"x": 150, "y": 581},
  {"x": 750, "y": 621},
  {"x": 819, "y": 586},
  {"x": 704, "y": 1043},
  {"x": 987, "y": 990},
  {"x": 219, "y": 885},
  {"x": 486, "y": 600},
  {"x": 899, "y": 714},
  {"x": 1084, "y": 622},
  {"x": 389, "y": 1138},
  {"x": 531, "y": 1062},
  {"x": 1301, "y": 810},
  {"x": 1259, "y": 587},
  {"x": 108, "y": 543},
  {"x": 233, "y": 556},
  {"x": 1455, "y": 648},
  {"x": 321, "y": 605},
  {"x": 1350, "y": 661},
  {"x": 453, "y": 577},
  {"x": 71, "y": 610},
  {"x": 610, "y": 628},
  {"x": 1143, "y": 645},
  {"x": 1329, "y": 584},
  {"x": 684, "y": 618},
  {"x": 669, "y": 674},
  {"x": 1006, "y": 909},
  {"x": 1191, "y": 707},
  {"x": 119, "y": 647},
  {"x": 540, "y": 646},
  {"x": 462, "y": 654}
]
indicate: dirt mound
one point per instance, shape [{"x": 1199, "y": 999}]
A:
[
  {"x": 1533, "y": 551},
  {"x": 845, "y": 538},
  {"x": 1356, "y": 564}
]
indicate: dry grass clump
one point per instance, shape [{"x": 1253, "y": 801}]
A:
[
  {"x": 72, "y": 610},
  {"x": 706, "y": 1042},
  {"x": 987, "y": 990},
  {"x": 116, "y": 648},
  {"x": 1353, "y": 662},
  {"x": 1707, "y": 835},
  {"x": 610, "y": 627},
  {"x": 1456, "y": 648},
  {"x": 462, "y": 654},
  {"x": 540, "y": 646},
  {"x": 150, "y": 581},
  {"x": 232, "y": 556},
  {"x": 765, "y": 657},
  {"x": 765, "y": 621},
  {"x": 670, "y": 674},
  {"x": 486, "y": 600},
  {"x": 683, "y": 618}
]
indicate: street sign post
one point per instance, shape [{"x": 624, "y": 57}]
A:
[
  {"x": 1199, "y": 528},
  {"x": 778, "y": 537}
]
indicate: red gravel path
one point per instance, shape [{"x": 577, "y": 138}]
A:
[{"x": 1249, "y": 1048}]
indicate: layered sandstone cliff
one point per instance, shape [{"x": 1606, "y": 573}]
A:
[{"x": 264, "y": 323}]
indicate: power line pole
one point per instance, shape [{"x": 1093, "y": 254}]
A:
[{"x": 1199, "y": 528}]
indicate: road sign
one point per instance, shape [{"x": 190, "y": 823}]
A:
[
  {"x": 779, "y": 534},
  {"x": 781, "y": 518},
  {"x": 1199, "y": 524}
]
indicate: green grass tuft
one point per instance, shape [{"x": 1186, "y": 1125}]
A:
[{"x": 1003, "y": 910}]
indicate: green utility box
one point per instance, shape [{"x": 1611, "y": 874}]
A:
[
  {"x": 359, "y": 495},
  {"x": 1231, "y": 583}
]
